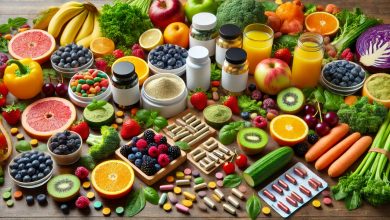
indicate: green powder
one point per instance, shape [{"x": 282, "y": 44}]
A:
[{"x": 379, "y": 87}]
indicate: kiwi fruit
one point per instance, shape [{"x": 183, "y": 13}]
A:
[
  {"x": 290, "y": 100},
  {"x": 252, "y": 140},
  {"x": 63, "y": 188}
]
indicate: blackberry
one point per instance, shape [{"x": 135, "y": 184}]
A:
[
  {"x": 125, "y": 150},
  {"x": 148, "y": 166},
  {"x": 144, "y": 151},
  {"x": 163, "y": 140},
  {"x": 312, "y": 138},
  {"x": 173, "y": 152},
  {"x": 300, "y": 149},
  {"x": 149, "y": 136}
]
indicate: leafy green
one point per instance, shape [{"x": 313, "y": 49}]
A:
[
  {"x": 228, "y": 133},
  {"x": 41, "y": 148},
  {"x": 183, "y": 145},
  {"x": 104, "y": 145},
  {"x": 247, "y": 104},
  {"x": 135, "y": 203},
  {"x": 362, "y": 116},
  {"x": 151, "y": 118},
  {"x": 232, "y": 180},
  {"x": 310, "y": 8},
  {"x": 215, "y": 72},
  {"x": 49, "y": 74},
  {"x": 12, "y": 23},
  {"x": 269, "y": 5},
  {"x": 352, "y": 25},
  {"x": 330, "y": 101},
  {"x": 87, "y": 162},
  {"x": 151, "y": 195},
  {"x": 253, "y": 206},
  {"x": 285, "y": 41},
  {"x": 3, "y": 45},
  {"x": 123, "y": 23},
  {"x": 95, "y": 104},
  {"x": 22, "y": 146}
]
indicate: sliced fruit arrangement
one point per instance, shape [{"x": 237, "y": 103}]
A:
[
  {"x": 63, "y": 188},
  {"x": 252, "y": 140},
  {"x": 288, "y": 130}
]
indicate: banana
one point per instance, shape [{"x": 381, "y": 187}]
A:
[
  {"x": 69, "y": 34},
  {"x": 41, "y": 21},
  {"x": 86, "y": 41},
  {"x": 61, "y": 17},
  {"x": 87, "y": 27},
  {"x": 72, "y": 3}
]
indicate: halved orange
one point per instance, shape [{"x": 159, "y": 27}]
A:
[
  {"x": 112, "y": 179},
  {"x": 288, "y": 130},
  {"x": 322, "y": 23},
  {"x": 102, "y": 46}
]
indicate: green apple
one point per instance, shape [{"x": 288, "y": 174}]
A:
[{"x": 193, "y": 7}]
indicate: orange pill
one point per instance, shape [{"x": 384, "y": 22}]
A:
[{"x": 18, "y": 195}]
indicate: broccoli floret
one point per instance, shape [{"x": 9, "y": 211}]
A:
[
  {"x": 105, "y": 145},
  {"x": 240, "y": 13}
]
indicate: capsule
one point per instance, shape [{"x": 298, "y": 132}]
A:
[
  {"x": 313, "y": 184},
  {"x": 300, "y": 172},
  {"x": 233, "y": 201},
  {"x": 219, "y": 193},
  {"x": 172, "y": 198},
  {"x": 304, "y": 190},
  {"x": 237, "y": 193},
  {"x": 291, "y": 179},
  {"x": 283, "y": 184},
  {"x": 283, "y": 207},
  {"x": 269, "y": 195},
  {"x": 182, "y": 208},
  {"x": 229, "y": 208},
  {"x": 200, "y": 186},
  {"x": 319, "y": 184},
  {"x": 189, "y": 196},
  {"x": 277, "y": 189},
  {"x": 297, "y": 197},
  {"x": 291, "y": 201},
  {"x": 183, "y": 182},
  {"x": 163, "y": 199},
  {"x": 209, "y": 202}
]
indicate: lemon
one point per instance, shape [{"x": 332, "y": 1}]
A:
[{"x": 151, "y": 39}]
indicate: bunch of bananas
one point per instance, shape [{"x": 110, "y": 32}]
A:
[{"x": 77, "y": 21}]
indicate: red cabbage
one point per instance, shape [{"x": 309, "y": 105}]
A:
[{"x": 373, "y": 48}]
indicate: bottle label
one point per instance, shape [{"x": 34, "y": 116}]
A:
[
  {"x": 209, "y": 44},
  {"x": 125, "y": 97},
  {"x": 220, "y": 54},
  {"x": 234, "y": 83}
]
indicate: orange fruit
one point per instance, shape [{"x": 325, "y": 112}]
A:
[
  {"x": 112, "y": 179},
  {"x": 151, "y": 39},
  {"x": 288, "y": 130},
  {"x": 141, "y": 67},
  {"x": 177, "y": 33},
  {"x": 322, "y": 23},
  {"x": 102, "y": 46}
]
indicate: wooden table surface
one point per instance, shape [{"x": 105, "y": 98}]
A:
[{"x": 28, "y": 8}]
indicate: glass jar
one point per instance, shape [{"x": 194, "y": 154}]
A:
[
  {"x": 198, "y": 68},
  {"x": 203, "y": 31},
  {"x": 308, "y": 55},
  {"x": 125, "y": 86},
  {"x": 235, "y": 71},
  {"x": 229, "y": 37}
]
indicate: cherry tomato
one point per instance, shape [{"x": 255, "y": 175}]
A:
[
  {"x": 241, "y": 161},
  {"x": 228, "y": 168}
]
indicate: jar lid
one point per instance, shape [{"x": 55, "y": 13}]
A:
[
  {"x": 229, "y": 31},
  {"x": 123, "y": 70},
  {"x": 204, "y": 21},
  {"x": 198, "y": 54},
  {"x": 236, "y": 55}
]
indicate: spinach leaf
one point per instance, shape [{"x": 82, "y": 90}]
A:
[
  {"x": 228, "y": 133},
  {"x": 353, "y": 201},
  {"x": 332, "y": 101},
  {"x": 151, "y": 195},
  {"x": 160, "y": 122},
  {"x": 232, "y": 180},
  {"x": 253, "y": 206},
  {"x": 135, "y": 203},
  {"x": 183, "y": 145}
]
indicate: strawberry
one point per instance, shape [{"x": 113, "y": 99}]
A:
[
  {"x": 347, "y": 55},
  {"x": 101, "y": 64},
  {"x": 12, "y": 113},
  {"x": 199, "y": 100},
  {"x": 3, "y": 100},
  {"x": 283, "y": 54},
  {"x": 81, "y": 128},
  {"x": 130, "y": 128},
  {"x": 232, "y": 103},
  {"x": 118, "y": 53}
]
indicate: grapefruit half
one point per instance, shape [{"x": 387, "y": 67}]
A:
[
  {"x": 35, "y": 44},
  {"x": 48, "y": 116}
]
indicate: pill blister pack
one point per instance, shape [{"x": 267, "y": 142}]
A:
[
  {"x": 210, "y": 155},
  {"x": 292, "y": 190},
  {"x": 188, "y": 127}
]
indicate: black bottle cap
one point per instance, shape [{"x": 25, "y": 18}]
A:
[
  {"x": 229, "y": 31},
  {"x": 123, "y": 70},
  {"x": 236, "y": 55}
]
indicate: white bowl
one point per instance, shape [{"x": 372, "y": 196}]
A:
[
  {"x": 75, "y": 99},
  {"x": 69, "y": 72},
  {"x": 68, "y": 158},
  {"x": 179, "y": 71}
]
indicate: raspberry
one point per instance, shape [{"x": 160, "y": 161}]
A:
[
  {"x": 82, "y": 202},
  {"x": 101, "y": 64},
  {"x": 136, "y": 46},
  {"x": 256, "y": 95},
  {"x": 138, "y": 53},
  {"x": 81, "y": 173},
  {"x": 118, "y": 53},
  {"x": 153, "y": 152},
  {"x": 157, "y": 138},
  {"x": 163, "y": 160},
  {"x": 269, "y": 103},
  {"x": 141, "y": 144},
  {"x": 162, "y": 149}
]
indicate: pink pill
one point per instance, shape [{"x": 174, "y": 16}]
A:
[
  {"x": 187, "y": 171},
  {"x": 219, "y": 175},
  {"x": 166, "y": 187},
  {"x": 327, "y": 201},
  {"x": 242, "y": 188},
  {"x": 202, "y": 194},
  {"x": 220, "y": 183},
  {"x": 182, "y": 208}
]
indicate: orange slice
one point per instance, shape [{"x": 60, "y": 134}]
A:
[
  {"x": 288, "y": 130},
  {"x": 151, "y": 39},
  {"x": 141, "y": 67},
  {"x": 102, "y": 46},
  {"x": 322, "y": 23},
  {"x": 112, "y": 179}
]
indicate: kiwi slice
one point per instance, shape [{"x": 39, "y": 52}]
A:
[
  {"x": 290, "y": 100},
  {"x": 252, "y": 140},
  {"x": 63, "y": 188}
]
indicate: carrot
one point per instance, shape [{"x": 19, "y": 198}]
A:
[
  {"x": 349, "y": 157},
  {"x": 335, "y": 152},
  {"x": 350, "y": 100},
  {"x": 326, "y": 142}
]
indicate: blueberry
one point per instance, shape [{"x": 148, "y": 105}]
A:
[
  {"x": 349, "y": 83},
  {"x": 172, "y": 62},
  {"x": 56, "y": 59},
  {"x": 13, "y": 172},
  {"x": 335, "y": 81},
  {"x": 64, "y": 208},
  {"x": 34, "y": 178},
  {"x": 41, "y": 198},
  {"x": 159, "y": 48},
  {"x": 138, "y": 155},
  {"x": 134, "y": 149},
  {"x": 49, "y": 162},
  {"x": 21, "y": 166},
  {"x": 177, "y": 56},
  {"x": 154, "y": 62},
  {"x": 362, "y": 74},
  {"x": 42, "y": 167},
  {"x": 169, "y": 56},
  {"x": 164, "y": 58},
  {"x": 165, "y": 50},
  {"x": 343, "y": 84},
  {"x": 332, "y": 70},
  {"x": 26, "y": 179},
  {"x": 245, "y": 115},
  {"x": 61, "y": 49},
  {"x": 354, "y": 84},
  {"x": 184, "y": 54},
  {"x": 67, "y": 65},
  {"x": 82, "y": 60},
  {"x": 138, "y": 163},
  {"x": 358, "y": 80},
  {"x": 169, "y": 67},
  {"x": 67, "y": 49},
  {"x": 64, "y": 55},
  {"x": 343, "y": 63},
  {"x": 30, "y": 200},
  {"x": 349, "y": 66},
  {"x": 159, "y": 58},
  {"x": 157, "y": 167},
  {"x": 345, "y": 79},
  {"x": 47, "y": 171},
  {"x": 328, "y": 78},
  {"x": 131, "y": 157},
  {"x": 160, "y": 64},
  {"x": 40, "y": 175},
  {"x": 74, "y": 63},
  {"x": 31, "y": 171},
  {"x": 77, "y": 142},
  {"x": 18, "y": 177},
  {"x": 41, "y": 159}
]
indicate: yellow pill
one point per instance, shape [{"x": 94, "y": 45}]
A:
[
  {"x": 316, "y": 203},
  {"x": 189, "y": 196},
  {"x": 119, "y": 114},
  {"x": 216, "y": 198},
  {"x": 114, "y": 126},
  {"x": 14, "y": 131},
  {"x": 20, "y": 136},
  {"x": 90, "y": 195},
  {"x": 86, "y": 185},
  {"x": 119, "y": 121},
  {"x": 167, "y": 207},
  {"x": 214, "y": 89},
  {"x": 34, "y": 142},
  {"x": 179, "y": 175},
  {"x": 177, "y": 190},
  {"x": 106, "y": 211},
  {"x": 170, "y": 179},
  {"x": 187, "y": 203},
  {"x": 188, "y": 177},
  {"x": 212, "y": 185},
  {"x": 266, "y": 210}
]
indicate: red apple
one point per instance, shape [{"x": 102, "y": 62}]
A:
[
  {"x": 272, "y": 75},
  {"x": 164, "y": 12}
]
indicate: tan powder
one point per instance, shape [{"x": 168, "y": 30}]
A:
[{"x": 164, "y": 88}]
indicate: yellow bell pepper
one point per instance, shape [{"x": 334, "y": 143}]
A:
[{"x": 23, "y": 78}]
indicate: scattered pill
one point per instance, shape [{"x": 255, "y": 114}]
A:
[
  {"x": 186, "y": 203},
  {"x": 212, "y": 185},
  {"x": 242, "y": 188},
  {"x": 188, "y": 177},
  {"x": 182, "y": 208},
  {"x": 299, "y": 172},
  {"x": 86, "y": 185},
  {"x": 163, "y": 199},
  {"x": 220, "y": 183},
  {"x": 283, "y": 184},
  {"x": 283, "y": 207},
  {"x": 219, "y": 175},
  {"x": 325, "y": 193},
  {"x": 172, "y": 198},
  {"x": 119, "y": 114},
  {"x": 183, "y": 182},
  {"x": 168, "y": 187},
  {"x": 230, "y": 209},
  {"x": 327, "y": 201},
  {"x": 65, "y": 208},
  {"x": 238, "y": 194},
  {"x": 202, "y": 194},
  {"x": 195, "y": 173},
  {"x": 233, "y": 201},
  {"x": 266, "y": 210},
  {"x": 6, "y": 195},
  {"x": 198, "y": 187},
  {"x": 106, "y": 211},
  {"x": 209, "y": 202},
  {"x": 170, "y": 179},
  {"x": 20, "y": 136},
  {"x": 201, "y": 206},
  {"x": 97, "y": 205},
  {"x": 90, "y": 195},
  {"x": 34, "y": 142},
  {"x": 30, "y": 200},
  {"x": 304, "y": 190},
  {"x": 179, "y": 175},
  {"x": 269, "y": 195},
  {"x": 14, "y": 131},
  {"x": 10, "y": 203},
  {"x": 219, "y": 193},
  {"x": 120, "y": 210},
  {"x": 198, "y": 180},
  {"x": 216, "y": 198},
  {"x": 313, "y": 184},
  {"x": 316, "y": 203},
  {"x": 187, "y": 171},
  {"x": 177, "y": 190},
  {"x": 277, "y": 189},
  {"x": 291, "y": 201},
  {"x": 114, "y": 126},
  {"x": 18, "y": 195},
  {"x": 167, "y": 207},
  {"x": 189, "y": 196},
  {"x": 42, "y": 199},
  {"x": 296, "y": 197},
  {"x": 119, "y": 121}
]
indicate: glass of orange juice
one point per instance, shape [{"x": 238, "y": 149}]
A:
[
  {"x": 257, "y": 43},
  {"x": 308, "y": 55}
]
